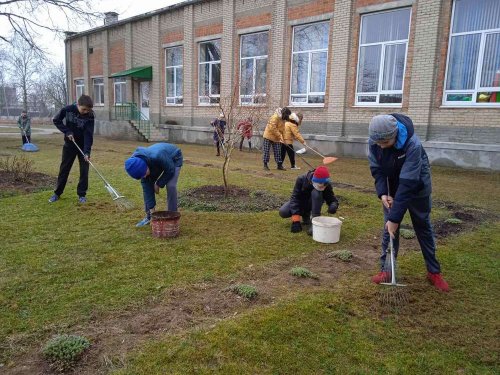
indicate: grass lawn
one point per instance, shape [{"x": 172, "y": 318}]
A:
[{"x": 67, "y": 268}]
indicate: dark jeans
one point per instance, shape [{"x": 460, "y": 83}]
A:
[
  {"x": 420, "y": 210},
  {"x": 288, "y": 149},
  {"x": 249, "y": 143},
  {"x": 69, "y": 153},
  {"x": 26, "y": 138},
  {"x": 309, "y": 208}
]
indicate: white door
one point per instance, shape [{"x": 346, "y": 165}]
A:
[{"x": 144, "y": 89}]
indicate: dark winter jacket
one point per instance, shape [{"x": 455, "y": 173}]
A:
[
  {"x": 162, "y": 159},
  {"x": 219, "y": 129},
  {"x": 404, "y": 166},
  {"x": 80, "y": 126},
  {"x": 24, "y": 123},
  {"x": 301, "y": 194}
]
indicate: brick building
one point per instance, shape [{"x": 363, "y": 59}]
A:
[{"x": 339, "y": 62}]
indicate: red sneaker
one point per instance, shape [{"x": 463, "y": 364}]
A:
[
  {"x": 382, "y": 277},
  {"x": 437, "y": 280}
]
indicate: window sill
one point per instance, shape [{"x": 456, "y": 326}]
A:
[
  {"x": 98, "y": 105},
  {"x": 375, "y": 106},
  {"x": 173, "y": 105},
  {"x": 306, "y": 106},
  {"x": 469, "y": 106},
  {"x": 208, "y": 105}
]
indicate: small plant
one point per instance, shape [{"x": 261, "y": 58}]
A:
[
  {"x": 302, "y": 272},
  {"x": 453, "y": 220},
  {"x": 20, "y": 166},
  {"x": 407, "y": 234},
  {"x": 63, "y": 351},
  {"x": 246, "y": 291},
  {"x": 344, "y": 255}
]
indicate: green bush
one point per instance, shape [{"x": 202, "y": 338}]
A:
[
  {"x": 63, "y": 351},
  {"x": 407, "y": 234},
  {"x": 246, "y": 291},
  {"x": 344, "y": 255},
  {"x": 302, "y": 272},
  {"x": 453, "y": 220}
]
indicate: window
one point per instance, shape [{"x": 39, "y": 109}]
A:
[
  {"x": 253, "y": 68},
  {"x": 383, "y": 45},
  {"x": 209, "y": 72},
  {"x": 473, "y": 68},
  {"x": 120, "y": 91},
  {"x": 309, "y": 61},
  {"x": 79, "y": 88},
  {"x": 173, "y": 75},
  {"x": 98, "y": 84}
]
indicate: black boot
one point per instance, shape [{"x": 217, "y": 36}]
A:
[
  {"x": 266, "y": 168},
  {"x": 280, "y": 167}
]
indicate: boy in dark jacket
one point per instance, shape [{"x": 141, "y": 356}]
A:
[
  {"x": 309, "y": 193},
  {"x": 401, "y": 169},
  {"x": 76, "y": 121},
  {"x": 156, "y": 166},
  {"x": 219, "y": 125}
]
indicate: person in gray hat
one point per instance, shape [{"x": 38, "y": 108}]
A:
[{"x": 401, "y": 169}]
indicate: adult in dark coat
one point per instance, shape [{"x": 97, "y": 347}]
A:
[
  {"x": 311, "y": 190},
  {"x": 401, "y": 169}
]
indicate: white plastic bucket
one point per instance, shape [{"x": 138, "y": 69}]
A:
[{"x": 326, "y": 229}]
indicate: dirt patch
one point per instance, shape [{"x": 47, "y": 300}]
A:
[
  {"x": 213, "y": 198},
  {"x": 34, "y": 182},
  {"x": 201, "y": 305}
]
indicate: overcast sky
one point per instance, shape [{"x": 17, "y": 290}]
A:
[{"x": 125, "y": 9}]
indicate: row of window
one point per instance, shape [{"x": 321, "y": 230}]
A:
[{"x": 472, "y": 73}]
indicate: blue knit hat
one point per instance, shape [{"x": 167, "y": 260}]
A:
[{"x": 136, "y": 167}]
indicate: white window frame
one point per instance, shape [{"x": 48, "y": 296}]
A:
[
  {"x": 98, "y": 99},
  {"x": 211, "y": 63},
  {"x": 253, "y": 96},
  {"x": 477, "y": 89},
  {"x": 173, "y": 99},
  {"x": 79, "y": 87},
  {"x": 383, "y": 45},
  {"x": 310, "y": 53},
  {"x": 117, "y": 82}
]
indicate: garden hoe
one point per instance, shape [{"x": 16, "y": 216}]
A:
[
  {"x": 120, "y": 201},
  {"x": 28, "y": 146}
]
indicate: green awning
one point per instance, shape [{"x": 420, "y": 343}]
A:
[{"x": 144, "y": 72}]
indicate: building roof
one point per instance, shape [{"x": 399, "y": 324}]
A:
[{"x": 133, "y": 18}]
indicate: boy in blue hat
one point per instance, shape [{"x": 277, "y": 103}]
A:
[
  {"x": 156, "y": 166},
  {"x": 401, "y": 169}
]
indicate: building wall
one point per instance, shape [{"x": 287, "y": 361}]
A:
[{"x": 142, "y": 42}]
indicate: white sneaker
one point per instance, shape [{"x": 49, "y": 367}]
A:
[{"x": 295, "y": 167}]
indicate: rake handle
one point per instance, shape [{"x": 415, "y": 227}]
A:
[
  {"x": 92, "y": 165},
  {"x": 299, "y": 155},
  {"x": 313, "y": 150}
]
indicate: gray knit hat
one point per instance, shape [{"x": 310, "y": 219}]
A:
[{"x": 382, "y": 128}]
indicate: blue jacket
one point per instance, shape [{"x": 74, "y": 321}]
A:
[
  {"x": 80, "y": 126},
  {"x": 405, "y": 167},
  {"x": 162, "y": 159}
]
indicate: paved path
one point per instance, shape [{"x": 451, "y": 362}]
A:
[{"x": 34, "y": 131}]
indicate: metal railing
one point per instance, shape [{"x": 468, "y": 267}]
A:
[{"x": 130, "y": 112}]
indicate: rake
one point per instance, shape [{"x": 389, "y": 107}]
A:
[
  {"x": 326, "y": 159},
  {"x": 120, "y": 200},
  {"x": 394, "y": 294}
]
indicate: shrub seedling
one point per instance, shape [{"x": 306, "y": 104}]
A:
[
  {"x": 302, "y": 272},
  {"x": 63, "y": 351},
  {"x": 246, "y": 291}
]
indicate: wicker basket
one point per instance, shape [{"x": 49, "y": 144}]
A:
[{"x": 165, "y": 224}]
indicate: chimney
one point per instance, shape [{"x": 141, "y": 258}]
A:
[{"x": 110, "y": 17}]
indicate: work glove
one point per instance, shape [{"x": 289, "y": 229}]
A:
[
  {"x": 296, "y": 226},
  {"x": 332, "y": 208}
]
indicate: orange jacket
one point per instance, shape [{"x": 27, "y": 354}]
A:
[
  {"x": 292, "y": 133},
  {"x": 275, "y": 129}
]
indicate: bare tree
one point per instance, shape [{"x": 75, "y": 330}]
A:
[
  {"x": 54, "y": 86},
  {"x": 24, "y": 67},
  {"x": 27, "y": 18},
  {"x": 234, "y": 114}
]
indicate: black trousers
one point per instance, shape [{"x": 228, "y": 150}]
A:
[
  {"x": 26, "y": 138},
  {"x": 69, "y": 153},
  {"x": 288, "y": 149}
]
